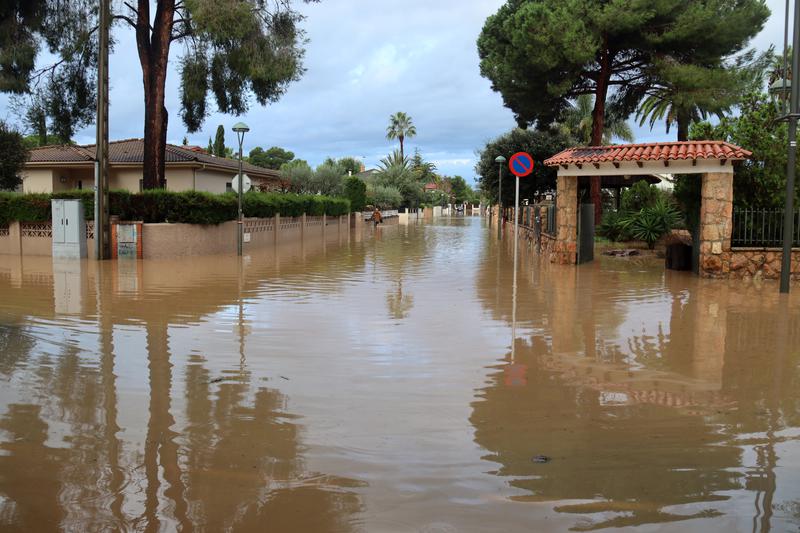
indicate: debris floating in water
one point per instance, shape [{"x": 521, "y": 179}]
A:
[
  {"x": 540, "y": 459},
  {"x": 621, "y": 253}
]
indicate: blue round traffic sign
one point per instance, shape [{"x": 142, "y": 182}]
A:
[{"x": 521, "y": 164}]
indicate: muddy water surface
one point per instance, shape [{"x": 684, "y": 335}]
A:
[{"x": 374, "y": 386}]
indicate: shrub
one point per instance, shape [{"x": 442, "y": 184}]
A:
[
  {"x": 384, "y": 196},
  {"x": 651, "y": 223},
  {"x": 356, "y": 191},
  {"x": 613, "y": 226},
  {"x": 24, "y": 207},
  {"x": 639, "y": 196},
  {"x": 190, "y": 207}
]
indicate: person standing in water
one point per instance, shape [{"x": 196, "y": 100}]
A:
[{"x": 377, "y": 218}]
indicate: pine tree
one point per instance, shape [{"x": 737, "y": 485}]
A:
[{"x": 219, "y": 142}]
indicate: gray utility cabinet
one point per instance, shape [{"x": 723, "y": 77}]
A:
[{"x": 69, "y": 229}]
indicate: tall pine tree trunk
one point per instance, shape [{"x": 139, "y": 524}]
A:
[
  {"x": 598, "y": 125},
  {"x": 153, "y": 48},
  {"x": 683, "y": 121}
]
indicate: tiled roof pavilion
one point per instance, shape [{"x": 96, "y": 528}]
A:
[{"x": 640, "y": 154}]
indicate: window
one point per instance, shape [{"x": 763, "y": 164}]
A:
[
  {"x": 141, "y": 185},
  {"x": 229, "y": 187}
]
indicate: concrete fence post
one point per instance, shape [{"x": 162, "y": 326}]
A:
[
  {"x": 15, "y": 234},
  {"x": 303, "y": 228},
  {"x": 276, "y": 221},
  {"x": 324, "y": 227}
]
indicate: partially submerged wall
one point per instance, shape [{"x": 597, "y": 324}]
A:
[{"x": 181, "y": 240}]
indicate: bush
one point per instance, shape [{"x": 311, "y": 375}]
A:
[
  {"x": 613, "y": 227},
  {"x": 190, "y": 207},
  {"x": 384, "y": 196},
  {"x": 639, "y": 196},
  {"x": 24, "y": 207},
  {"x": 356, "y": 191},
  {"x": 651, "y": 223}
]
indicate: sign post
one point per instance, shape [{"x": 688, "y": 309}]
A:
[{"x": 521, "y": 165}]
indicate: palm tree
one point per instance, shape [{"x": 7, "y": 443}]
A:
[
  {"x": 685, "y": 93},
  {"x": 400, "y": 127},
  {"x": 577, "y": 122},
  {"x": 396, "y": 158}
]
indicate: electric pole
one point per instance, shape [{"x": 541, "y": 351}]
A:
[{"x": 101, "y": 229}]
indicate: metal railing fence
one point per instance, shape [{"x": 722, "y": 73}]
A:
[{"x": 762, "y": 228}]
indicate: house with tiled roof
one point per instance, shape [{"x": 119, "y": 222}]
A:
[{"x": 187, "y": 168}]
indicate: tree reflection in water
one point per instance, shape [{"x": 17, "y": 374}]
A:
[{"x": 671, "y": 423}]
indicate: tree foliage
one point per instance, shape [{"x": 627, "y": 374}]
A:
[
  {"x": 541, "y": 54},
  {"x": 13, "y": 155},
  {"x": 299, "y": 175},
  {"x": 576, "y": 121},
  {"x": 273, "y": 158},
  {"x": 219, "y": 142},
  {"x": 52, "y": 100},
  {"x": 460, "y": 191},
  {"x": 540, "y": 144},
  {"x": 384, "y": 196},
  {"x": 759, "y": 182},
  {"x": 400, "y": 127},
  {"x": 237, "y": 51},
  {"x": 328, "y": 178},
  {"x": 685, "y": 93},
  {"x": 395, "y": 171},
  {"x": 355, "y": 190}
]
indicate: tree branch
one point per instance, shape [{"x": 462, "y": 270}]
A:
[{"x": 129, "y": 20}]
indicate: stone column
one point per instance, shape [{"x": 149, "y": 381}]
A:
[
  {"x": 565, "y": 251},
  {"x": 15, "y": 236},
  {"x": 716, "y": 223}
]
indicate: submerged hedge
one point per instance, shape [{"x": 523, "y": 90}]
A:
[{"x": 190, "y": 207}]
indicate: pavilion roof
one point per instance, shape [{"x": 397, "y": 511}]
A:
[{"x": 660, "y": 151}]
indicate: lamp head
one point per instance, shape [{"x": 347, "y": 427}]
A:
[
  {"x": 500, "y": 159},
  {"x": 241, "y": 127}
]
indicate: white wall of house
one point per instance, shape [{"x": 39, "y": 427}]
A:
[
  {"x": 37, "y": 180},
  {"x": 178, "y": 179},
  {"x": 212, "y": 180}
]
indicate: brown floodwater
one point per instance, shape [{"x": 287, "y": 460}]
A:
[{"x": 375, "y": 386}]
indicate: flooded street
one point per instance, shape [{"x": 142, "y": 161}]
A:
[{"x": 374, "y": 386}]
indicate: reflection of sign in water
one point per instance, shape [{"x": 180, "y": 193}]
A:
[{"x": 516, "y": 375}]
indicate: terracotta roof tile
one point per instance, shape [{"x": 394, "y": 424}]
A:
[
  {"x": 131, "y": 151},
  {"x": 666, "y": 151}
]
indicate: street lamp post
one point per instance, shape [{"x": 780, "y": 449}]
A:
[
  {"x": 240, "y": 128},
  {"x": 500, "y": 160},
  {"x": 788, "y": 214}
]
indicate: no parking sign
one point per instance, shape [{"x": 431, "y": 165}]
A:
[{"x": 521, "y": 164}]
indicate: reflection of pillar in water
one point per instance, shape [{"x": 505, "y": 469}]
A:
[
  {"x": 109, "y": 380},
  {"x": 69, "y": 285},
  {"x": 160, "y": 447},
  {"x": 710, "y": 332},
  {"x": 564, "y": 312}
]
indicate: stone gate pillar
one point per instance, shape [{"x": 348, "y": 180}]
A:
[
  {"x": 716, "y": 223},
  {"x": 565, "y": 250}
]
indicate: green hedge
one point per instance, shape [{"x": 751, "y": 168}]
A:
[{"x": 190, "y": 207}]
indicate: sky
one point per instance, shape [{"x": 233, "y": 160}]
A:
[{"x": 365, "y": 60}]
